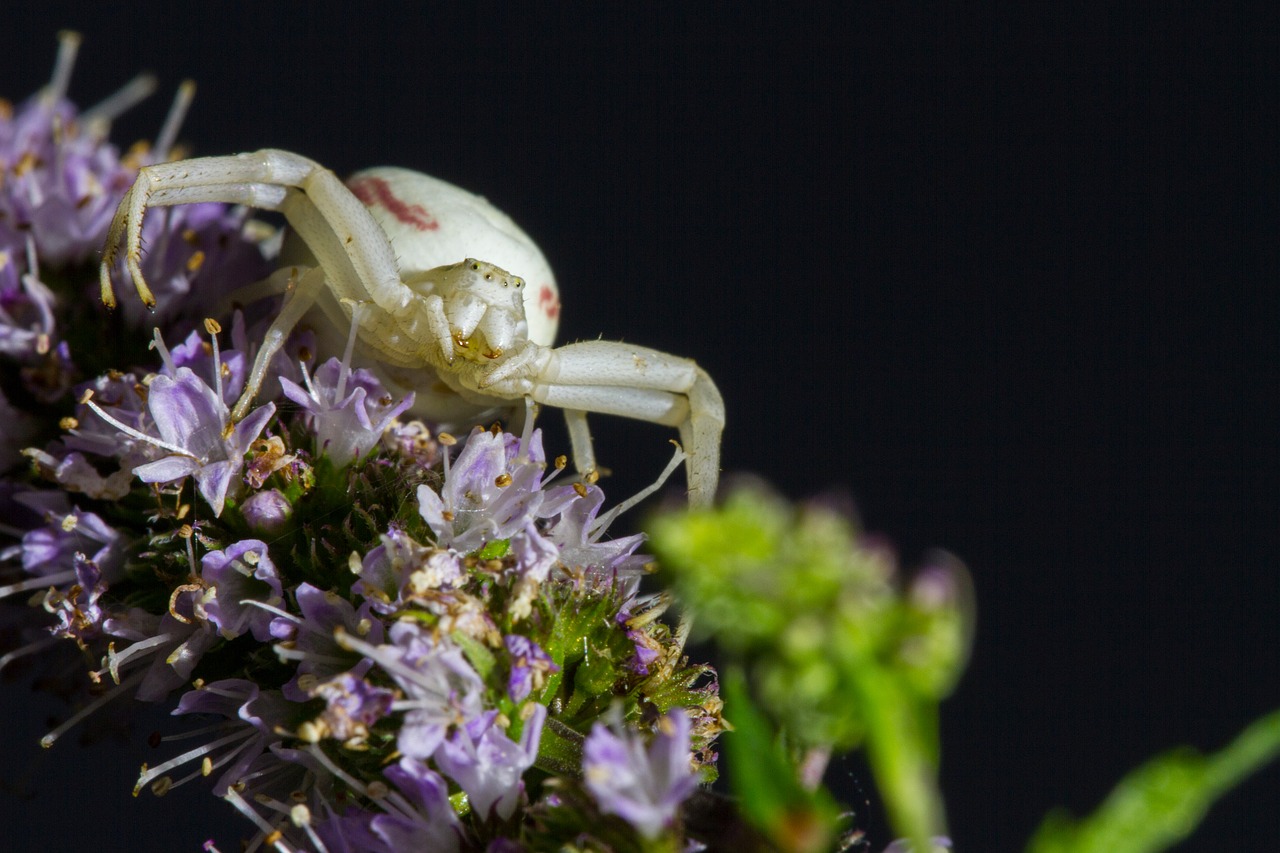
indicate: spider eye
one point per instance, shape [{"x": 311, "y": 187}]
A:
[
  {"x": 475, "y": 265},
  {"x": 488, "y": 276}
]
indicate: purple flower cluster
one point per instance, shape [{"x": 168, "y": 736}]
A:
[
  {"x": 644, "y": 786},
  {"x": 397, "y": 640}
]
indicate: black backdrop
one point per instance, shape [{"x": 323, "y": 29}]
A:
[{"x": 1006, "y": 277}]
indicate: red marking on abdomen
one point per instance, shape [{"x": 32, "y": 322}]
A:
[
  {"x": 376, "y": 191},
  {"x": 549, "y": 302}
]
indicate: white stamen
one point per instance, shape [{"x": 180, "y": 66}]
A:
[
  {"x": 217, "y": 366},
  {"x": 202, "y": 770},
  {"x": 200, "y": 732},
  {"x": 392, "y": 799},
  {"x": 311, "y": 834},
  {"x": 248, "y": 811},
  {"x": 48, "y": 740},
  {"x": 357, "y": 308},
  {"x": 97, "y": 119},
  {"x": 29, "y": 649},
  {"x": 173, "y": 121},
  {"x": 298, "y": 654},
  {"x": 306, "y": 380},
  {"x": 157, "y": 343},
  {"x": 68, "y": 47},
  {"x": 37, "y": 583},
  {"x": 353, "y": 782},
  {"x": 602, "y": 523},
  {"x": 526, "y": 432},
  {"x": 116, "y": 659},
  {"x": 199, "y": 751},
  {"x": 141, "y": 436},
  {"x": 297, "y": 620},
  {"x": 41, "y": 296}
]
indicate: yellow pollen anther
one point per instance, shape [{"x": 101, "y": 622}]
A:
[
  {"x": 502, "y": 480},
  {"x": 446, "y": 439},
  {"x": 212, "y": 326},
  {"x": 68, "y": 423}
]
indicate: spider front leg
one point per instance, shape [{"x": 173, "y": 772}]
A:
[
  {"x": 348, "y": 244},
  {"x": 635, "y": 382}
]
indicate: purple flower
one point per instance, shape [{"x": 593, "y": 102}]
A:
[
  {"x": 311, "y": 639},
  {"x": 77, "y": 612},
  {"x": 195, "y": 353},
  {"x": 352, "y": 705},
  {"x": 647, "y": 649},
  {"x": 488, "y": 765},
  {"x": 26, "y": 308},
  {"x": 65, "y": 462},
  {"x": 413, "y": 441},
  {"x": 488, "y": 494},
  {"x": 267, "y": 511},
  {"x": 400, "y": 567},
  {"x": 419, "y": 817},
  {"x": 61, "y": 185},
  {"x": 348, "y": 409},
  {"x": 643, "y": 786},
  {"x": 50, "y": 552},
  {"x": 121, "y": 396},
  {"x": 441, "y": 688},
  {"x": 253, "y": 716},
  {"x": 191, "y": 251},
  {"x": 236, "y": 576},
  {"x": 195, "y": 425},
  {"x": 529, "y": 666},
  {"x": 173, "y": 643},
  {"x": 577, "y": 531}
]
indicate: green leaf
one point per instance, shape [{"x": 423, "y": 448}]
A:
[
  {"x": 476, "y": 652},
  {"x": 795, "y": 818},
  {"x": 495, "y": 550},
  {"x": 560, "y": 749},
  {"x": 1162, "y": 802}
]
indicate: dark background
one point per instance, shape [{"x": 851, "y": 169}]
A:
[{"x": 1006, "y": 277}]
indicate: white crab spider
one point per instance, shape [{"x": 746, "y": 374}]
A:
[{"x": 469, "y": 338}]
